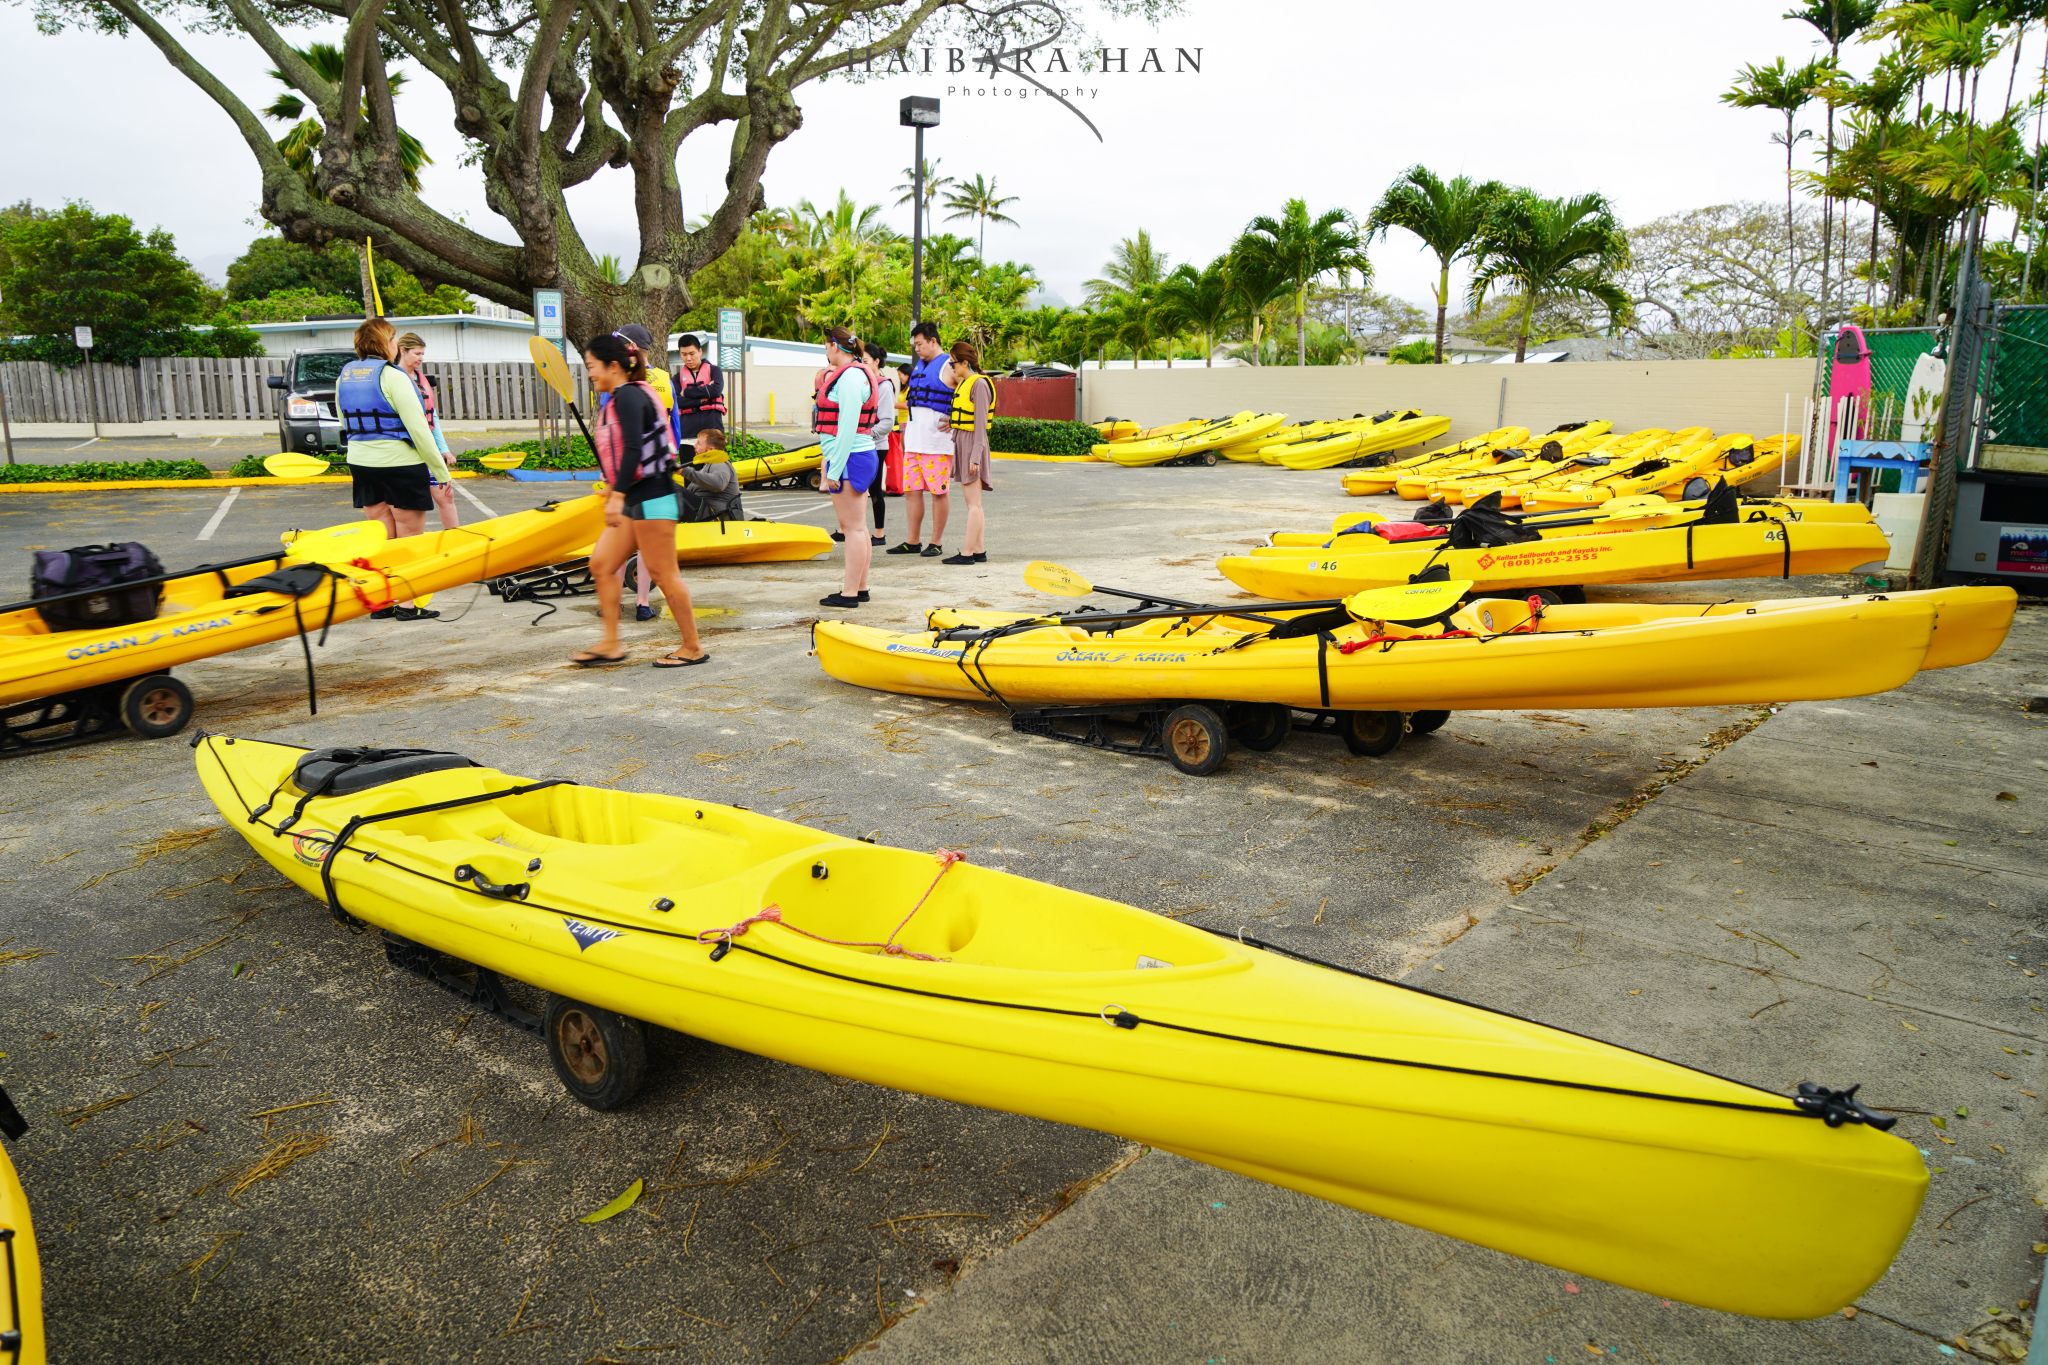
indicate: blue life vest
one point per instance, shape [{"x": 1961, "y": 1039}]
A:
[
  {"x": 925, "y": 390},
  {"x": 366, "y": 414}
]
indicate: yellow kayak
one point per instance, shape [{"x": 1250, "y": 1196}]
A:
[
  {"x": 1259, "y": 449},
  {"x": 936, "y": 976},
  {"x": 197, "y": 619},
  {"x": 1752, "y": 549},
  {"x": 1116, "y": 428},
  {"x": 1675, "y": 463},
  {"x": 1388, "y": 432},
  {"x": 1199, "y": 441},
  {"x": 21, "y": 1274},
  {"x": 744, "y": 542},
  {"x": 1575, "y": 462},
  {"x": 1382, "y": 478},
  {"x": 1438, "y": 479},
  {"x": 790, "y": 466},
  {"x": 1577, "y": 657},
  {"x": 1354, "y": 534}
]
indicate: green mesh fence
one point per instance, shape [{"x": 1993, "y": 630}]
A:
[
  {"x": 1892, "y": 356},
  {"x": 2017, "y": 378}
]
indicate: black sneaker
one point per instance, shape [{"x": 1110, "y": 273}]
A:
[
  {"x": 839, "y": 600},
  {"x": 933, "y": 551},
  {"x": 838, "y": 536},
  {"x": 644, "y": 612},
  {"x": 908, "y": 547},
  {"x": 382, "y": 613},
  {"x": 878, "y": 540},
  {"x": 414, "y": 614},
  {"x": 958, "y": 559},
  {"x": 981, "y": 556},
  {"x": 863, "y": 594}
]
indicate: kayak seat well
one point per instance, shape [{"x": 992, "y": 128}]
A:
[{"x": 973, "y": 916}]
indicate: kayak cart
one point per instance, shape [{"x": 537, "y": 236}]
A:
[{"x": 1195, "y": 736}]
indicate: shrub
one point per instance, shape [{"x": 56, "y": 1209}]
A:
[
  {"x": 1040, "y": 436},
  {"x": 125, "y": 471},
  {"x": 581, "y": 456}
]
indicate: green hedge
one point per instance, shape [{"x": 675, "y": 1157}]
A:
[
  {"x": 125, "y": 471},
  {"x": 1039, "y": 436}
]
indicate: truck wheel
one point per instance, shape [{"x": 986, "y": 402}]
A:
[
  {"x": 600, "y": 1057},
  {"x": 1371, "y": 734},
  {"x": 156, "y": 706},
  {"x": 1195, "y": 740}
]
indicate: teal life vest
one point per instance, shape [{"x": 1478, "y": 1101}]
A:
[{"x": 366, "y": 414}]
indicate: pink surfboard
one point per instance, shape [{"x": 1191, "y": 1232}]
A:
[{"x": 1849, "y": 378}]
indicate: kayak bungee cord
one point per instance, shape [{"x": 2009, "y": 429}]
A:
[{"x": 1813, "y": 1101}]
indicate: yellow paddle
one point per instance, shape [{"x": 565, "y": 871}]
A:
[
  {"x": 502, "y": 459},
  {"x": 334, "y": 544},
  {"x": 1409, "y": 604},
  {"x": 554, "y": 372},
  {"x": 292, "y": 465},
  {"x": 1057, "y": 579}
]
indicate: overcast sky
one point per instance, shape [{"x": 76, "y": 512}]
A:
[{"x": 1325, "y": 99}]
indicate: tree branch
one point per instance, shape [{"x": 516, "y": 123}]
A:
[
  {"x": 362, "y": 35},
  {"x": 290, "y": 64}
]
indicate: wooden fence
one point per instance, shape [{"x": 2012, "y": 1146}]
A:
[{"x": 187, "y": 389}]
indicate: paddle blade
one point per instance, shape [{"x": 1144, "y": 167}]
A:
[
  {"x": 334, "y": 544},
  {"x": 502, "y": 459},
  {"x": 1057, "y": 579},
  {"x": 1409, "y": 604},
  {"x": 292, "y": 465},
  {"x": 554, "y": 370}
]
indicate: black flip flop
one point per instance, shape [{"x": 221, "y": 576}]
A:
[
  {"x": 669, "y": 660},
  {"x": 595, "y": 660}
]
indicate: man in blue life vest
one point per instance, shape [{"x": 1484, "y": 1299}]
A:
[{"x": 927, "y": 442}]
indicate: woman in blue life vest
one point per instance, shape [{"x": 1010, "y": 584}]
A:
[
  {"x": 846, "y": 424},
  {"x": 392, "y": 455},
  {"x": 637, "y": 454}
]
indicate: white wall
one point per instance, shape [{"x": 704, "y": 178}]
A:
[{"x": 447, "y": 337}]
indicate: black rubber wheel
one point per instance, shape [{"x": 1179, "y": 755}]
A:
[
  {"x": 599, "y": 1056},
  {"x": 1569, "y": 595},
  {"x": 156, "y": 706},
  {"x": 1371, "y": 733},
  {"x": 1195, "y": 740},
  {"x": 815, "y": 480},
  {"x": 1427, "y": 722},
  {"x": 1261, "y": 726},
  {"x": 1209, "y": 458}
]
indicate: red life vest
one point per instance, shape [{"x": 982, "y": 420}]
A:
[
  {"x": 688, "y": 408},
  {"x": 657, "y": 453},
  {"x": 826, "y": 423}
]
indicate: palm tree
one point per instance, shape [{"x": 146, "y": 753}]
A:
[
  {"x": 1301, "y": 250},
  {"x": 1551, "y": 248},
  {"x": 1787, "y": 91},
  {"x": 1258, "y": 281},
  {"x": 1836, "y": 20},
  {"x": 1203, "y": 300},
  {"x": 1132, "y": 262},
  {"x": 610, "y": 269},
  {"x": 979, "y": 201},
  {"x": 1135, "y": 319},
  {"x": 1445, "y": 214},
  {"x": 934, "y": 186},
  {"x": 299, "y": 144}
]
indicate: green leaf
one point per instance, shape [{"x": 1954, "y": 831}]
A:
[
  {"x": 1962, "y": 1111},
  {"x": 619, "y": 1205}
]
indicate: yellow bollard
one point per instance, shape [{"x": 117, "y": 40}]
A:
[{"x": 771, "y": 407}]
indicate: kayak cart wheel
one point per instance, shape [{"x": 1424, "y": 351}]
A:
[
  {"x": 1371, "y": 734},
  {"x": 1427, "y": 722},
  {"x": 1209, "y": 459},
  {"x": 1261, "y": 726},
  {"x": 600, "y": 1057},
  {"x": 156, "y": 706},
  {"x": 815, "y": 480},
  {"x": 1195, "y": 740}
]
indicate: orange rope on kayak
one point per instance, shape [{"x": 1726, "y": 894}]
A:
[
  {"x": 364, "y": 597},
  {"x": 889, "y": 948}
]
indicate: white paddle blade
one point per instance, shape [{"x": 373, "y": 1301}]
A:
[
  {"x": 292, "y": 465},
  {"x": 554, "y": 370},
  {"x": 1057, "y": 579},
  {"x": 1409, "y": 604}
]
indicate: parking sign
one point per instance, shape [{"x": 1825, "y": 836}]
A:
[
  {"x": 732, "y": 327},
  {"x": 547, "y": 313}
]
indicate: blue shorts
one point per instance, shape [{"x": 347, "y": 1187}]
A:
[
  {"x": 663, "y": 508},
  {"x": 861, "y": 468}
]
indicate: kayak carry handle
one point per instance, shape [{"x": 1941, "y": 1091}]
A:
[
  {"x": 1837, "y": 1107},
  {"x": 511, "y": 891}
]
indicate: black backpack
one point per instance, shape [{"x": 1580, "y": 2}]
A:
[{"x": 60, "y": 572}]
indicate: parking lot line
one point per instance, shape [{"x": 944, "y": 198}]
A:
[
  {"x": 81, "y": 445},
  {"x": 219, "y": 514},
  {"x": 479, "y": 502}
]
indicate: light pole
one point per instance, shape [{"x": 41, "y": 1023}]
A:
[{"x": 919, "y": 112}]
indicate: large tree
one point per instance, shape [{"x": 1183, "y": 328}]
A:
[
  {"x": 548, "y": 94},
  {"x": 1303, "y": 249},
  {"x": 1552, "y": 248},
  {"x": 1445, "y": 214}
]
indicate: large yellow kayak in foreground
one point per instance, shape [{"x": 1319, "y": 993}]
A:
[
  {"x": 21, "y": 1275},
  {"x": 973, "y": 985},
  {"x": 1584, "y": 657},
  {"x": 1752, "y": 549},
  {"x": 196, "y": 620}
]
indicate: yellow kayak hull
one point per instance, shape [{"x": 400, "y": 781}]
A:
[
  {"x": 1758, "y": 549},
  {"x": 1382, "y": 478},
  {"x": 1198, "y": 440},
  {"x": 21, "y": 1303},
  {"x": 1378, "y": 439},
  {"x": 1541, "y": 1143},
  {"x": 196, "y": 622},
  {"x": 744, "y": 542},
  {"x": 1583, "y": 658},
  {"x": 1353, "y": 535},
  {"x": 789, "y": 464}
]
